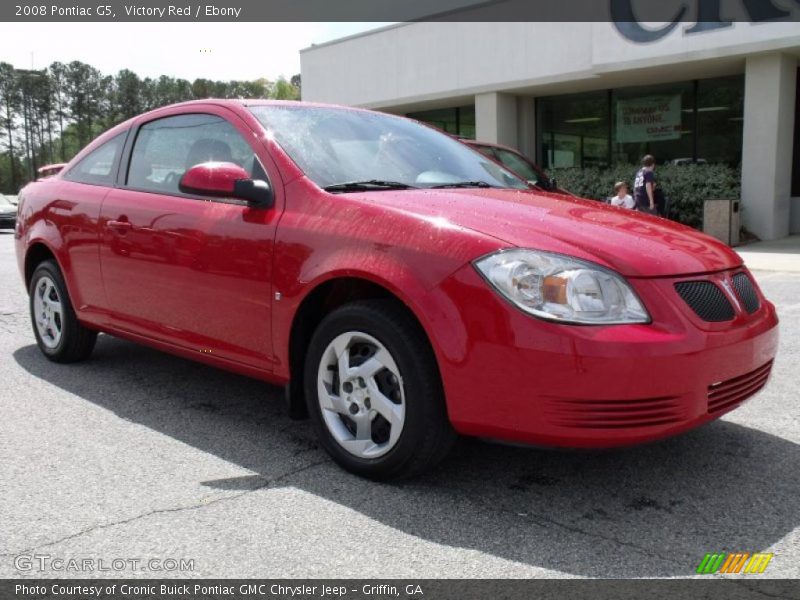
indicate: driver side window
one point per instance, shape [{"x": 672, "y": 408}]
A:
[{"x": 166, "y": 148}]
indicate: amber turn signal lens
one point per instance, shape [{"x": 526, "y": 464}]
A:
[{"x": 554, "y": 289}]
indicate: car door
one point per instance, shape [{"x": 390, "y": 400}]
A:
[
  {"x": 75, "y": 210},
  {"x": 184, "y": 269}
]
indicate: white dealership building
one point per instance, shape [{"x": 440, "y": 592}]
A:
[{"x": 592, "y": 94}]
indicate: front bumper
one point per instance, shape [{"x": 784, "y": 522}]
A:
[{"x": 526, "y": 380}]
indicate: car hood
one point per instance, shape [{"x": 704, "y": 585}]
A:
[{"x": 634, "y": 244}]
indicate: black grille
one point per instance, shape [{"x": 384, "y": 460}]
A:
[
  {"x": 706, "y": 299},
  {"x": 746, "y": 292}
]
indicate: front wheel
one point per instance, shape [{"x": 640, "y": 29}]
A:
[
  {"x": 374, "y": 393},
  {"x": 59, "y": 334}
]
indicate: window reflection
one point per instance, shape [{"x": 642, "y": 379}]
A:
[
  {"x": 681, "y": 123},
  {"x": 720, "y": 115},
  {"x": 575, "y": 130},
  {"x": 458, "y": 121},
  {"x": 657, "y": 120}
]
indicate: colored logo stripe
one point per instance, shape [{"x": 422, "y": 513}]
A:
[
  {"x": 710, "y": 563},
  {"x": 735, "y": 562},
  {"x": 758, "y": 563}
]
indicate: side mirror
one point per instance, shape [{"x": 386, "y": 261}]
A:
[{"x": 226, "y": 180}]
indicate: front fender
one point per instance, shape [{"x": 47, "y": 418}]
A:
[{"x": 433, "y": 309}]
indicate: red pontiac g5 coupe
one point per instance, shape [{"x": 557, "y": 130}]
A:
[{"x": 402, "y": 286}]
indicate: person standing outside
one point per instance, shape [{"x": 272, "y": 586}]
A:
[
  {"x": 644, "y": 186},
  {"x": 621, "y": 196}
]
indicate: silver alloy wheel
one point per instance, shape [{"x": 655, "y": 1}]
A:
[
  {"x": 48, "y": 312},
  {"x": 361, "y": 395}
]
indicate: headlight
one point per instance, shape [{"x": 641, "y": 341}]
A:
[{"x": 562, "y": 288}]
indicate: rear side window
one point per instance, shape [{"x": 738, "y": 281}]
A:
[
  {"x": 166, "y": 148},
  {"x": 98, "y": 167}
]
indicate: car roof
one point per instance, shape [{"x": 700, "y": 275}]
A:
[
  {"x": 242, "y": 102},
  {"x": 235, "y": 105}
]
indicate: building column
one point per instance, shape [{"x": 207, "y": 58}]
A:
[
  {"x": 769, "y": 106},
  {"x": 526, "y": 126},
  {"x": 496, "y": 118}
]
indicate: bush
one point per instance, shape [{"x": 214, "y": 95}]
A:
[{"x": 686, "y": 186}]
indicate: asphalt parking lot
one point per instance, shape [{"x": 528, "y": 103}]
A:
[{"x": 139, "y": 455}]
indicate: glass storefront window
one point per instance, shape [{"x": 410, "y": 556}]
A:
[
  {"x": 574, "y": 130},
  {"x": 720, "y": 116},
  {"x": 681, "y": 123},
  {"x": 686, "y": 122},
  {"x": 655, "y": 120},
  {"x": 458, "y": 121}
]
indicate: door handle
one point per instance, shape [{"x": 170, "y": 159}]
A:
[{"x": 120, "y": 226}]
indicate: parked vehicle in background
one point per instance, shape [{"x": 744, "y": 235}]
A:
[
  {"x": 8, "y": 213},
  {"x": 518, "y": 163},
  {"x": 50, "y": 170},
  {"x": 403, "y": 287}
]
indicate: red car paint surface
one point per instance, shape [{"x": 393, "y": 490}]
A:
[{"x": 222, "y": 283}]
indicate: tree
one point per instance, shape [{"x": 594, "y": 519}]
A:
[
  {"x": 34, "y": 87},
  {"x": 9, "y": 104},
  {"x": 284, "y": 90},
  {"x": 202, "y": 88},
  {"x": 58, "y": 88},
  {"x": 127, "y": 101},
  {"x": 88, "y": 96},
  {"x": 296, "y": 82},
  {"x": 49, "y": 115}
]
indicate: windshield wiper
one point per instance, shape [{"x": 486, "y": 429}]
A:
[
  {"x": 462, "y": 184},
  {"x": 371, "y": 184}
]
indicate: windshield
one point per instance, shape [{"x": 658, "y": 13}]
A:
[{"x": 339, "y": 146}]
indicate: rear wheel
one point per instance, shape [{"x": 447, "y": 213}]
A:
[
  {"x": 374, "y": 393},
  {"x": 59, "y": 335}
]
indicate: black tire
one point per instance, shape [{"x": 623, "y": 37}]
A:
[
  {"x": 427, "y": 435},
  {"x": 76, "y": 342}
]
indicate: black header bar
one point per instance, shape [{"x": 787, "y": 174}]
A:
[{"x": 632, "y": 11}]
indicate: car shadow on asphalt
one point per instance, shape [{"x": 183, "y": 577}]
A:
[{"x": 648, "y": 511}]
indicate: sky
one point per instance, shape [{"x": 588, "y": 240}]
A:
[{"x": 219, "y": 51}]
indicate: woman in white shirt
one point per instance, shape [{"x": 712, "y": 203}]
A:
[{"x": 622, "y": 197}]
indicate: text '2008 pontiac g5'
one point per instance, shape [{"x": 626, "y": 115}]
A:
[{"x": 402, "y": 286}]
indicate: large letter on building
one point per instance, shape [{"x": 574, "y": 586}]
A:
[{"x": 626, "y": 23}]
